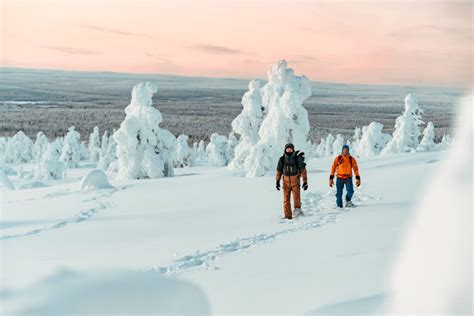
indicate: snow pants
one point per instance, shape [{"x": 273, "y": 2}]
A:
[
  {"x": 339, "y": 188},
  {"x": 291, "y": 184}
]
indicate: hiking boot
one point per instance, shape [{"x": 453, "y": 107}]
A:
[{"x": 349, "y": 204}]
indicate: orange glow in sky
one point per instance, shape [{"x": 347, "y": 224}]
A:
[{"x": 401, "y": 42}]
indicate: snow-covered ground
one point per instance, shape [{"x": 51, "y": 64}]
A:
[{"x": 211, "y": 233}]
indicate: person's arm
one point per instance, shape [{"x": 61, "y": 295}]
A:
[
  {"x": 279, "y": 172},
  {"x": 333, "y": 171},
  {"x": 303, "y": 172},
  {"x": 356, "y": 171}
]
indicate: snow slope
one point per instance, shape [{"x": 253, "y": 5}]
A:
[{"x": 221, "y": 233}]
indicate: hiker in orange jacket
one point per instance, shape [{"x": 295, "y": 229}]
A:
[
  {"x": 343, "y": 165},
  {"x": 291, "y": 167}
]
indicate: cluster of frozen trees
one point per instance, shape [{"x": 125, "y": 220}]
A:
[
  {"x": 272, "y": 115},
  {"x": 371, "y": 140}
]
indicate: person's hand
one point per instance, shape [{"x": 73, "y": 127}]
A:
[
  {"x": 305, "y": 186},
  {"x": 278, "y": 185},
  {"x": 331, "y": 183},
  {"x": 358, "y": 182}
]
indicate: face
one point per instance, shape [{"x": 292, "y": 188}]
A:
[
  {"x": 289, "y": 150},
  {"x": 345, "y": 151}
]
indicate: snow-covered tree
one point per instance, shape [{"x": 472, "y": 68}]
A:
[
  {"x": 337, "y": 145},
  {"x": 3, "y": 148},
  {"x": 19, "y": 149},
  {"x": 320, "y": 149},
  {"x": 247, "y": 124},
  {"x": 232, "y": 143},
  {"x": 104, "y": 143},
  {"x": 446, "y": 142},
  {"x": 286, "y": 120},
  {"x": 354, "y": 143},
  {"x": 184, "y": 154},
  {"x": 405, "y": 138},
  {"x": 41, "y": 143},
  {"x": 94, "y": 145},
  {"x": 144, "y": 149},
  {"x": 328, "y": 148},
  {"x": 109, "y": 156},
  {"x": 50, "y": 167},
  {"x": 84, "y": 152},
  {"x": 217, "y": 150},
  {"x": 71, "y": 151},
  {"x": 202, "y": 154},
  {"x": 372, "y": 141},
  {"x": 427, "y": 143}
]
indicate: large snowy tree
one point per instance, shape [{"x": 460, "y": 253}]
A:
[
  {"x": 144, "y": 149},
  {"x": 247, "y": 124},
  {"x": 19, "y": 149},
  {"x": 405, "y": 138},
  {"x": 71, "y": 151},
  {"x": 286, "y": 120}
]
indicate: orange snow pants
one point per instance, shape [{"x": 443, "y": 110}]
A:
[{"x": 291, "y": 184}]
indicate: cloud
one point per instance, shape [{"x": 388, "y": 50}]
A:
[
  {"x": 73, "y": 51},
  {"x": 218, "y": 50},
  {"x": 115, "y": 31}
]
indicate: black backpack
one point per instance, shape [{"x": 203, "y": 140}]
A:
[{"x": 291, "y": 165}]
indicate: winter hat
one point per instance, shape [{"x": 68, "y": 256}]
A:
[
  {"x": 289, "y": 145},
  {"x": 345, "y": 146}
]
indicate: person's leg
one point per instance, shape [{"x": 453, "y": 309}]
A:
[
  {"x": 349, "y": 189},
  {"x": 286, "y": 200},
  {"x": 339, "y": 187},
  {"x": 296, "y": 195}
]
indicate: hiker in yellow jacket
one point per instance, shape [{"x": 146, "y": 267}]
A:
[{"x": 343, "y": 166}]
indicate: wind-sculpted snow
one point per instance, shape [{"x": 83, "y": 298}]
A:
[{"x": 319, "y": 211}]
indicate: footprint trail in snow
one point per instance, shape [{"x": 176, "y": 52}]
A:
[{"x": 319, "y": 210}]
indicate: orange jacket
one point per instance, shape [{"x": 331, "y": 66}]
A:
[{"x": 344, "y": 165}]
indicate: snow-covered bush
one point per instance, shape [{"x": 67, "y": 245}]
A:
[
  {"x": 71, "y": 151},
  {"x": 50, "y": 167},
  {"x": 232, "y": 142},
  {"x": 286, "y": 120},
  {"x": 19, "y": 149},
  {"x": 41, "y": 143},
  {"x": 217, "y": 150},
  {"x": 328, "y": 148},
  {"x": 184, "y": 154},
  {"x": 94, "y": 180},
  {"x": 144, "y": 150},
  {"x": 372, "y": 141},
  {"x": 427, "y": 143},
  {"x": 405, "y": 138},
  {"x": 337, "y": 145},
  {"x": 94, "y": 145},
  {"x": 247, "y": 124}
]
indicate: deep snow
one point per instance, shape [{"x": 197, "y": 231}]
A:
[{"x": 221, "y": 233}]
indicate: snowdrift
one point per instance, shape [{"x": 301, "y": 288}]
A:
[{"x": 94, "y": 180}]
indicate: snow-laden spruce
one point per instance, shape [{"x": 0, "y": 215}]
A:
[
  {"x": 41, "y": 143},
  {"x": 354, "y": 143},
  {"x": 372, "y": 141},
  {"x": 328, "y": 148},
  {"x": 232, "y": 143},
  {"x": 185, "y": 155},
  {"x": 108, "y": 155},
  {"x": 427, "y": 143},
  {"x": 19, "y": 149},
  {"x": 50, "y": 167},
  {"x": 286, "y": 120},
  {"x": 337, "y": 145},
  {"x": 71, "y": 151},
  {"x": 405, "y": 138},
  {"x": 247, "y": 124},
  {"x": 218, "y": 151},
  {"x": 201, "y": 151},
  {"x": 144, "y": 149},
  {"x": 94, "y": 145}
]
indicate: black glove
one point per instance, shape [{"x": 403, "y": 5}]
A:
[
  {"x": 278, "y": 185},
  {"x": 305, "y": 186}
]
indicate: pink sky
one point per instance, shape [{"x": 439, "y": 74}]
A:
[{"x": 398, "y": 42}]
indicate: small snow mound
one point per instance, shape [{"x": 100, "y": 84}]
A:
[
  {"x": 5, "y": 182},
  {"x": 9, "y": 171},
  {"x": 33, "y": 185},
  {"x": 95, "y": 179}
]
